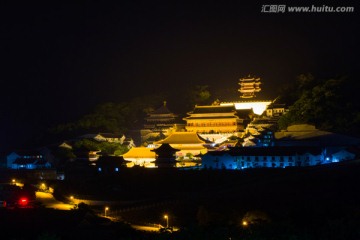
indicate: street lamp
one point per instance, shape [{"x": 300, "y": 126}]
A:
[
  {"x": 106, "y": 209},
  {"x": 167, "y": 220}
]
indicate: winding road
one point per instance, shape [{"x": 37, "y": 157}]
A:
[{"x": 48, "y": 201}]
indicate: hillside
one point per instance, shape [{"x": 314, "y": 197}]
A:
[
  {"x": 304, "y": 198},
  {"x": 319, "y": 202}
]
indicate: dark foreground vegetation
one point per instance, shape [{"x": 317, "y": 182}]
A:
[{"x": 297, "y": 203}]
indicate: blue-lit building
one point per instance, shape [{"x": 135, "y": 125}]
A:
[
  {"x": 26, "y": 160},
  {"x": 237, "y": 158}
]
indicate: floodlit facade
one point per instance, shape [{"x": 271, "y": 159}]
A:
[
  {"x": 249, "y": 86},
  {"x": 258, "y": 107},
  {"x": 26, "y": 160},
  {"x": 275, "y": 110},
  {"x": 213, "y": 119},
  {"x": 159, "y": 124},
  {"x": 140, "y": 156},
  {"x": 189, "y": 144},
  {"x": 238, "y": 158}
]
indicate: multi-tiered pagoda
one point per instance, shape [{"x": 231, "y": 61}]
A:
[
  {"x": 159, "y": 124},
  {"x": 249, "y": 86}
]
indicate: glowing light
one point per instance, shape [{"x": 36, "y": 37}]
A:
[
  {"x": 23, "y": 201},
  {"x": 245, "y": 223},
  {"x": 167, "y": 220},
  {"x": 258, "y": 107},
  {"x": 105, "y": 210}
]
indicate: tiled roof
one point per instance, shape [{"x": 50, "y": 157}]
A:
[
  {"x": 205, "y": 140},
  {"x": 213, "y": 109},
  {"x": 211, "y": 117},
  {"x": 323, "y": 138},
  {"x": 165, "y": 148},
  {"x": 139, "y": 152},
  {"x": 268, "y": 151},
  {"x": 162, "y": 110},
  {"x": 182, "y": 138},
  {"x": 184, "y": 147}
]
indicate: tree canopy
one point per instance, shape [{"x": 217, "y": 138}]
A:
[
  {"x": 329, "y": 104},
  {"x": 111, "y": 117},
  {"x": 198, "y": 95},
  {"x": 120, "y": 117}
]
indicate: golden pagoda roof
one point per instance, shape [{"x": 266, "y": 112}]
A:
[
  {"x": 139, "y": 152},
  {"x": 165, "y": 148},
  {"x": 184, "y": 148},
  {"x": 182, "y": 138}
]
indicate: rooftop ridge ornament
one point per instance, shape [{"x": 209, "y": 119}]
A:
[{"x": 249, "y": 86}]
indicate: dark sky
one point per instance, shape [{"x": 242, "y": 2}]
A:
[{"x": 59, "y": 60}]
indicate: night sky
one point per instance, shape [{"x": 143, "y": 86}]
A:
[{"x": 59, "y": 60}]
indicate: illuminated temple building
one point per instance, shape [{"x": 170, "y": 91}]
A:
[
  {"x": 217, "y": 123},
  {"x": 213, "y": 119},
  {"x": 221, "y": 120},
  {"x": 140, "y": 156},
  {"x": 188, "y": 143},
  {"x": 188, "y": 146},
  {"x": 248, "y": 87},
  {"x": 298, "y": 145},
  {"x": 159, "y": 124},
  {"x": 165, "y": 156}
]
